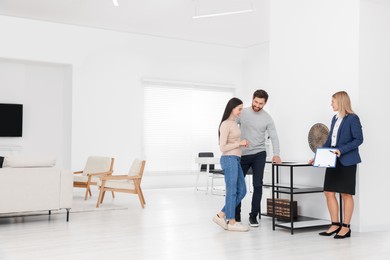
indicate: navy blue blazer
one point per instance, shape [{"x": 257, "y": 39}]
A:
[{"x": 349, "y": 137}]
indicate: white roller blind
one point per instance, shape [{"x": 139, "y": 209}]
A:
[{"x": 179, "y": 122}]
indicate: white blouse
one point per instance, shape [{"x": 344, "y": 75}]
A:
[{"x": 335, "y": 130}]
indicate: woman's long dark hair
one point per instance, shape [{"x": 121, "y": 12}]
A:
[{"x": 228, "y": 110}]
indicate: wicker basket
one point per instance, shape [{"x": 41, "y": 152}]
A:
[{"x": 282, "y": 209}]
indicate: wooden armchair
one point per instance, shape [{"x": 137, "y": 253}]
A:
[
  {"x": 95, "y": 167},
  {"x": 130, "y": 183}
]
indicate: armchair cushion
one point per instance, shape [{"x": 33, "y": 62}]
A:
[
  {"x": 118, "y": 184},
  {"x": 135, "y": 167},
  {"x": 84, "y": 178},
  {"x": 97, "y": 164}
]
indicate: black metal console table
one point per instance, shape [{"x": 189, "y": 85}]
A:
[{"x": 292, "y": 189}]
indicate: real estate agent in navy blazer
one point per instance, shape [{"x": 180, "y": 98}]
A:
[
  {"x": 346, "y": 136},
  {"x": 349, "y": 137}
]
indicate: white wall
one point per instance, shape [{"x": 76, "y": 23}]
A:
[
  {"x": 255, "y": 71},
  {"x": 107, "y": 70},
  {"x": 42, "y": 90},
  {"x": 374, "y": 82},
  {"x": 313, "y": 54}
]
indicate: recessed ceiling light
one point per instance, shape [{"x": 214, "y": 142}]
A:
[
  {"x": 115, "y": 2},
  {"x": 205, "y": 8},
  {"x": 221, "y": 14}
]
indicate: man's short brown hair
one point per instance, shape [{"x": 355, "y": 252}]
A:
[{"x": 260, "y": 94}]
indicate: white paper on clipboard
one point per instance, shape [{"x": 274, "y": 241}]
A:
[{"x": 325, "y": 157}]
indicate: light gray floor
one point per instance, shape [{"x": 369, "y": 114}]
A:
[{"x": 176, "y": 224}]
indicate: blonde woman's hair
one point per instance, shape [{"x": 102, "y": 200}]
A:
[{"x": 343, "y": 102}]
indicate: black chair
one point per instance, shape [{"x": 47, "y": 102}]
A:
[{"x": 212, "y": 172}]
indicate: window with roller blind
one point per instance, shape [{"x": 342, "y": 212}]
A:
[{"x": 181, "y": 120}]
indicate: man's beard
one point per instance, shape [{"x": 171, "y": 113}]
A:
[{"x": 256, "y": 109}]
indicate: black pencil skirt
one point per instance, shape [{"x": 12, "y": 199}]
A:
[{"x": 341, "y": 179}]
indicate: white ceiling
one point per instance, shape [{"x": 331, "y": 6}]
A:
[{"x": 164, "y": 18}]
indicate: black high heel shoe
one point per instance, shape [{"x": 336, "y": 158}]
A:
[
  {"x": 333, "y": 232},
  {"x": 348, "y": 234}
]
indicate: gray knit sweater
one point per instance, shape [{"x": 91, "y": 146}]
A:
[{"x": 254, "y": 126}]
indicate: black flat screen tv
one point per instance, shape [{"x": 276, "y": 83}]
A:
[{"x": 11, "y": 120}]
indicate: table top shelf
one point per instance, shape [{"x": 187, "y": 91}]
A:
[
  {"x": 296, "y": 189},
  {"x": 299, "y": 191},
  {"x": 289, "y": 164}
]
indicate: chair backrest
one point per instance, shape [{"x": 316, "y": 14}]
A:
[
  {"x": 203, "y": 167},
  {"x": 96, "y": 164},
  {"x": 137, "y": 168}
]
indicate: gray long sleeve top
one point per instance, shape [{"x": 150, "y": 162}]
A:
[{"x": 254, "y": 126}]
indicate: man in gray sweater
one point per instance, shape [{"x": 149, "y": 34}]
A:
[{"x": 255, "y": 122}]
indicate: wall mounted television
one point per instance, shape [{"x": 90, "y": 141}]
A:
[{"x": 11, "y": 120}]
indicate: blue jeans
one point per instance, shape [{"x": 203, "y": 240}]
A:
[
  {"x": 257, "y": 163},
  {"x": 235, "y": 184}
]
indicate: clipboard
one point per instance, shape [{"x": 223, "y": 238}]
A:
[{"x": 325, "y": 157}]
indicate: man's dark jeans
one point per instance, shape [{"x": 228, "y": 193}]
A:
[{"x": 257, "y": 163}]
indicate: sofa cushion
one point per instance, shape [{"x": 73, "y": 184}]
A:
[{"x": 28, "y": 162}]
